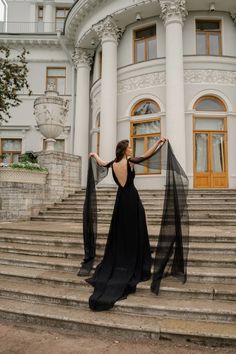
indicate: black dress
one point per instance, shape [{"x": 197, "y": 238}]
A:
[{"x": 127, "y": 258}]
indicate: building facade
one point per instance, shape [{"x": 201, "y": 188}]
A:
[{"x": 131, "y": 69}]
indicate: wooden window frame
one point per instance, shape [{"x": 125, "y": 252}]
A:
[
  {"x": 213, "y": 98},
  {"x": 60, "y": 17},
  {"x": 145, "y": 137},
  {"x": 11, "y": 152},
  {"x": 55, "y": 77},
  {"x": 208, "y": 33},
  {"x": 146, "y": 40}
]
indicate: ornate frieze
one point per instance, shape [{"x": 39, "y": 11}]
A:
[
  {"x": 173, "y": 8},
  {"x": 107, "y": 29},
  {"x": 220, "y": 77},
  {"x": 141, "y": 82},
  {"x": 82, "y": 56}
]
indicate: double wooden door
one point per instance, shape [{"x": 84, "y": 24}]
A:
[{"x": 210, "y": 153}]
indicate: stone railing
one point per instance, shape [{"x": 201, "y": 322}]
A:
[{"x": 22, "y": 198}]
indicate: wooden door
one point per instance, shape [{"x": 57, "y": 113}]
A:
[{"x": 210, "y": 154}]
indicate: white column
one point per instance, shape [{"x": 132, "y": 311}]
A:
[
  {"x": 173, "y": 13},
  {"x": 48, "y": 18},
  {"x": 83, "y": 60},
  {"x": 109, "y": 34}
]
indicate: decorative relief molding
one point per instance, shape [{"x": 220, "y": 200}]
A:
[
  {"x": 107, "y": 29},
  {"x": 82, "y": 56},
  {"x": 190, "y": 76},
  {"x": 210, "y": 76},
  {"x": 173, "y": 8},
  {"x": 142, "y": 81}
]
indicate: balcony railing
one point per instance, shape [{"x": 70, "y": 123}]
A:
[{"x": 29, "y": 27}]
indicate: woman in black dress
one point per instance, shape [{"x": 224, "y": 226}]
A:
[{"x": 127, "y": 258}]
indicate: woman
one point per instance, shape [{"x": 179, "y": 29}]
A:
[{"x": 127, "y": 258}]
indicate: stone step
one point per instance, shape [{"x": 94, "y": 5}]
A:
[
  {"x": 116, "y": 323},
  {"x": 71, "y": 251},
  {"x": 154, "y": 221},
  {"x": 195, "y": 274},
  {"x": 148, "y": 304},
  {"x": 41, "y": 237},
  {"x": 169, "y": 287},
  {"x": 69, "y": 238},
  {"x": 215, "y": 259},
  {"x": 149, "y": 209}
]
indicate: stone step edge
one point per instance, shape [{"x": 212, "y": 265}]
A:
[
  {"x": 132, "y": 306},
  {"x": 51, "y": 316}
]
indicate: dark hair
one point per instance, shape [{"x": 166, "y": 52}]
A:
[{"x": 120, "y": 149}]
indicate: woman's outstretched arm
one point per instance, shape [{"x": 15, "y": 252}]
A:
[
  {"x": 98, "y": 159},
  {"x": 157, "y": 144}
]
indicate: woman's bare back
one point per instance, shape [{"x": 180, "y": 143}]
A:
[{"x": 121, "y": 171}]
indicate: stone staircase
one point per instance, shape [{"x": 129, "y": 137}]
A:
[
  {"x": 39, "y": 260},
  {"x": 206, "y": 207}
]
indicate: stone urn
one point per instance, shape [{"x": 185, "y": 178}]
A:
[{"x": 50, "y": 113}]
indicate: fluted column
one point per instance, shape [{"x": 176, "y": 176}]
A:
[
  {"x": 109, "y": 34},
  {"x": 83, "y": 60},
  {"x": 173, "y": 13}
]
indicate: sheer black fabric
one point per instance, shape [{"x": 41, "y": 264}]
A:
[{"x": 127, "y": 257}]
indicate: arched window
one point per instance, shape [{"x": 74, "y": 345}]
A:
[
  {"x": 209, "y": 103},
  {"x": 145, "y": 130},
  {"x": 98, "y": 132}
]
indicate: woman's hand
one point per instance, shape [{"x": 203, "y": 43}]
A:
[
  {"x": 92, "y": 154},
  {"x": 162, "y": 140}
]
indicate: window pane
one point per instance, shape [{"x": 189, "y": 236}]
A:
[
  {"x": 146, "y": 32},
  {"x": 140, "y": 51},
  {"x": 61, "y": 86},
  {"x": 207, "y": 25},
  {"x": 147, "y": 128},
  {"x": 146, "y": 108},
  {"x": 138, "y": 151},
  {"x": 218, "y": 153},
  {"x": 51, "y": 83},
  {"x": 209, "y": 104},
  {"x": 201, "y": 44},
  {"x": 214, "y": 44},
  {"x": 152, "y": 48},
  {"x": 201, "y": 152},
  {"x": 56, "y": 72},
  {"x": 60, "y": 13},
  {"x": 6, "y": 158},
  {"x": 151, "y": 168},
  {"x": 11, "y": 145},
  {"x": 209, "y": 124}
]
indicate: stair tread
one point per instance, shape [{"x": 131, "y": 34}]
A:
[
  {"x": 150, "y": 300},
  {"x": 219, "y": 271},
  {"x": 72, "y": 278},
  {"x": 113, "y": 319}
]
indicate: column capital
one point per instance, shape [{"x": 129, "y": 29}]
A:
[
  {"x": 108, "y": 30},
  {"x": 82, "y": 57},
  {"x": 233, "y": 15},
  {"x": 173, "y": 10}
]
